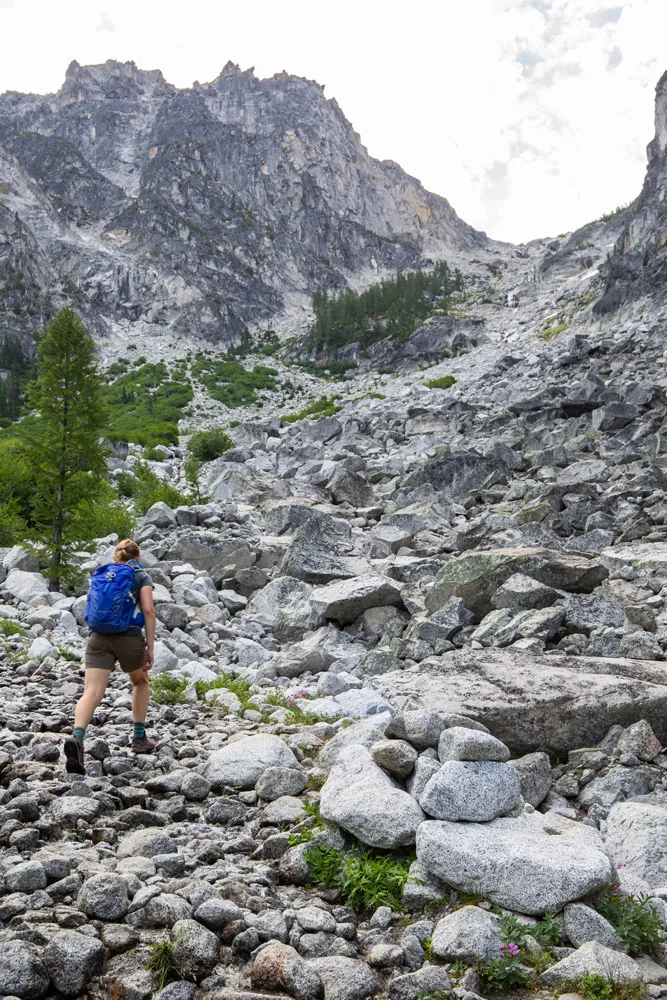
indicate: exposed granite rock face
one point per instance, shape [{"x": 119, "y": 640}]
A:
[
  {"x": 638, "y": 265},
  {"x": 203, "y": 209}
]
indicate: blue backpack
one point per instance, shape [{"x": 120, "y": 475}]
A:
[{"x": 112, "y": 602}]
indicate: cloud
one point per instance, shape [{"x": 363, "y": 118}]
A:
[
  {"x": 528, "y": 61},
  {"x": 602, "y": 17},
  {"x": 615, "y": 58},
  {"x": 6, "y": 3},
  {"x": 106, "y": 24}
]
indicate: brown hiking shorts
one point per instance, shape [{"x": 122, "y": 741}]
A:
[{"x": 102, "y": 651}]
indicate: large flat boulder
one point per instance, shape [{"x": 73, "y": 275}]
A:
[
  {"x": 650, "y": 556},
  {"x": 476, "y": 575},
  {"x": 533, "y": 701},
  {"x": 360, "y": 797},
  {"x": 516, "y": 862},
  {"x": 243, "y": 762},
  {"x": 24, "y": 586},
  {"x": 344, "y": 600},
  {"x": 456, "y": 473}
]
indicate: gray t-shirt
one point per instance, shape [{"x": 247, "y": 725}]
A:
[{"x": 141, "y": 579}]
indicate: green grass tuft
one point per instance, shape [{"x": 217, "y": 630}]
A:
[
  {"x": 320, "y": 408},
  {"x": 445, "y": 382}
]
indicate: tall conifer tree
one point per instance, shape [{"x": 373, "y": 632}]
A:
[{"x": 68, "y": 455}]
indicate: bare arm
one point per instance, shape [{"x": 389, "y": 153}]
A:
[{"x": 148, "y": 611}]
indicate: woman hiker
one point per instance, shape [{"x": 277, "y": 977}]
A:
[{"x": 120, "y": 603}]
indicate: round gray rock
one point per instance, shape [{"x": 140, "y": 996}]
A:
[
  {"x": 459, "y": 743},
  {"x": 471, "y": 790},
  {"x": 22, "y": 971},
  {"x": 196, "y": 949},
  {"x": 104, "y": 897},
  {"x": 280, "y": 967},
  {"x": 72, "y": 960},
  {"x": 345, "y": 978},
  {"x": 279, "y": 781},
  {"x": 419, "y": 727},
  {"x": 396, "y": 756},
  {"x": 145, "y": 844},
  {"x": 469, "y": 933},
  {"x": 28, "y": 877}
]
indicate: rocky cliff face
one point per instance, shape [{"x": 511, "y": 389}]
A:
[
  {"x": 204, "y": 209},
  {"x": 638, "y": 265}
]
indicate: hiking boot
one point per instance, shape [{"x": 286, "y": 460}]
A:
[
  {"x": 143, "y": 745},
  {"x": 74, "y": 754}
]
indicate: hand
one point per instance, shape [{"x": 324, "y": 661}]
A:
[{"x": 148, "y": 660}]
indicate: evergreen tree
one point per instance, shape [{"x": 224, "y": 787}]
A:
[{"x": 67, "y": 453}]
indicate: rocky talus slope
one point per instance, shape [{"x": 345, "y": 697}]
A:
[
  {"x": 457, "y": 654},
  {"x": 203, "y": 210},
  {"x": 410, "y": 680}
]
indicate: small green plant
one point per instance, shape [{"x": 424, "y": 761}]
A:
[
  {"x": 152, "y": 454},
  {"x": 594, "y": 986},
  {"x": 548, "y": 932},
  {"x": 162, "y": 964},
  {"x": 207, "y": 445},
  {"x": 323, "y": 407},
  {"x": 301, "y": 836},
  {"x": 168, "y": 690},
  {"x": 8, "y": 628},
  {"x": 505, "y": 972},
  {"x": 550, "y": 332},
  {"x": 438, "y": 995},
  {"x": 446, "y": 382},
  {"x": 366, "y": 879},
  {"x": 67, "y": 654},
  {"x": 237, "y": 685},
  {"x": 377, "y": 395},
  {"x": 635, "y": 919},
  {"x": 315, "y": 782}
]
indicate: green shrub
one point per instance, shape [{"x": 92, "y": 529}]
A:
[
  {"x": 230, "y": 383},
  {"x": 167, "y": 690},
  {"x": 146, "y": 488},
  {"x": 320, "y": 408},
  {"x": 207, "y": 445},
  {"x": 152, "y": 455},
  {"x": 13, "y": 528},
  {"x": 635, "y": 919},
  {"x": 237, "y": 685},
  {"x": 146, "y": 404},
  {"x": 9, "y": 627},
  {"x": 445, "y": 382},
  {"x": 505, "y": 972},
  {"x": 593, "y": 986},
  {"x": 366, "y": 880}
]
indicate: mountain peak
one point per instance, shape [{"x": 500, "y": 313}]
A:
[{"x": 110, "y": 80}]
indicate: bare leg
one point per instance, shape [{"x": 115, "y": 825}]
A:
[
  {"x": 95, "y": 684},
  {"x": 140, "y": 695}
]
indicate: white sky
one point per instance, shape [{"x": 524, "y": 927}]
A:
[{"x": 530, "y": 116}]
